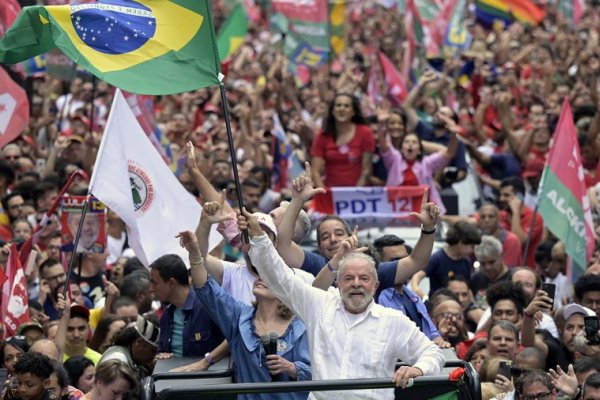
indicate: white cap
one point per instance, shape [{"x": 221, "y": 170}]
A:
[
  {"x": 266, "y": 221},
  {"x": 574, "y": 308}
]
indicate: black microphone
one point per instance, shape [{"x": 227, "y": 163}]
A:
[{"x": 269, "y": 343}]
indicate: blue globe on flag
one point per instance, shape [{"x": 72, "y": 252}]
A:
[{"x": 113, "y": 26}]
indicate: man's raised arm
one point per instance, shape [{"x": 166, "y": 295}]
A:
[
  {"x": 212, "y": 213},
  {"x": 302, "y": 191},
  {"x": 205, "y": 188},
  {"x": 419, "y": 257},
  {"x": 300, "y": 297}
]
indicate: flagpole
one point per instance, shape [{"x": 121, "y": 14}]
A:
[
  {"x": 535, "y": 212},
  {"x": 91, "y": 127},
  {"x": 236, "y": 177},
  {"x": 74, "y": 252}
]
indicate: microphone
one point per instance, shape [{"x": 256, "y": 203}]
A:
[{"x": 269, "y": 343}]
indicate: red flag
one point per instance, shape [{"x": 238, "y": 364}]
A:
[
  {"x": 3, "y": 277},
  {"x": 15, "y": 309},
  {"x": 396, "y": 89},
  {"x": 8, "y": 13},
  {"x": 14, "y": 109},
  {"x": 563, "y": 200}
]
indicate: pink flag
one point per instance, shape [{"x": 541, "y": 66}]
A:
[
  {"x": 563, "y": 200},
  {"x": 9, "y": 9},
  {"x": 396, "y": 88},
  {"x": 15, "y": 308},
  {"x": 14, "y": 109}
]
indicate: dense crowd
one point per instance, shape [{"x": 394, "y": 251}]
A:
[{"x": 502, "y": 292}]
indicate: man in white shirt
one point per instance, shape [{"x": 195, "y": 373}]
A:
[{"x": 350, "y": 336}]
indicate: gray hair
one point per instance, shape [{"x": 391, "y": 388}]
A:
[
  {"x": 302, "y": 225},
  {"x": 489, "y": 247},
  {"x": 352, "y": 256}
]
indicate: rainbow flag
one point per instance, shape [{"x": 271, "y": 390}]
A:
[{"x": 489, "y": 12}]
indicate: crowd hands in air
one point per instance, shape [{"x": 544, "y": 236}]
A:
[{"x": 120, "y": 317}]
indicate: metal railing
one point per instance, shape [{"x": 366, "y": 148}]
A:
[{"x": 422, "y": 387}]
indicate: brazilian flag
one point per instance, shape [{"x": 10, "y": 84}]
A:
[
  {"x": 233, "y": 32},
  {"x": 146, "y": 46}
]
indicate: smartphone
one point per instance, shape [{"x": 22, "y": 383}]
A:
[
  {"x": 504, "y": 369},
  {"x": 3, "y": 377},
  {"x": 550, "y": 289},
  {"x": 592, "y": 326}
]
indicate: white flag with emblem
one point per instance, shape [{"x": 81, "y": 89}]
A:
[{"x": 132, "y": 179}]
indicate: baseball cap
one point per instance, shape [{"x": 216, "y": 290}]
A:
[
  {"x": 29, "y": 325},
  {"x": 80, "y": 311},
  {"x": 147, "y": 330},
  {"x": 577, "y": 309},
  {"x": 266, "y": 221}
]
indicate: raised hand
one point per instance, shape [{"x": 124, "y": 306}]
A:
[
  {"x": 429, "y": 214},
  {"x": 192, "y": 164},
  {"x": 110, "y": 288},
  {"x": 189, "y": 241},
  {"x": 302, "y": 187},
  {"x": 212, "y": 211},
  {"x": 247, "y": 221},
  {"x": 350, "y": 244},
  {"x": 61, "y": 303},
  {"x": 564, "y": 382},
  {"x": 540, "y": 303}
]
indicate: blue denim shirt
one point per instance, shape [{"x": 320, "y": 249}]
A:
[
  {"x": 235, "y": 320},
  {"x": 200, "y": 333},
  {"x": 391, "y": 298}
]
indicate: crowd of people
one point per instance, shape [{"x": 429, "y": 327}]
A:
[{"x": 501, "y": 294}]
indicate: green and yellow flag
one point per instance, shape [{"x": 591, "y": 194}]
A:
[
  {"x": 233, "y": 32},
  {"x": 145, "y": 46}
]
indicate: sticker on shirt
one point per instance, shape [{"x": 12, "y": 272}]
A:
[
  {"x": 343, "y": 148},
  {"x": 198, "y": 336},
  {"x": 282, "y": 346}
]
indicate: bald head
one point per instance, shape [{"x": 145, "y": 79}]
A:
[{"x": 46, "y": 347}]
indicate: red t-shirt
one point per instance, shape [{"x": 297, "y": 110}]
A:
[
  {"x": 343, "y": 163},
  {"x": 511, "y": 249},
  {"x": 536, "y": 236}
]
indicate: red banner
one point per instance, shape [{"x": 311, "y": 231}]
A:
[
  {"x": 14, "y": 109},
  {"x": 15, "y": 308}
]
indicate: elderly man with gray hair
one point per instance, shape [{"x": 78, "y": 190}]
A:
[
  {"x": 349, "y": 335},
  {"x": 491, "y": 267}
]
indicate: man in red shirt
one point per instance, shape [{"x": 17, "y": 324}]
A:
[{"x": 517, "y": 217}]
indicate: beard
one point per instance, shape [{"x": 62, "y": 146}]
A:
[{"x": 356, "y": 304}]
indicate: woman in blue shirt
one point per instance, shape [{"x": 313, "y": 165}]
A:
[{"x": 244, "y": 326}]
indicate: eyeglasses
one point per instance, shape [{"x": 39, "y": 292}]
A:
[
  {"x": 537, "y": 396},
  {"x": 457, "y": 316},
  {"x": 58, "y": 277}
]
